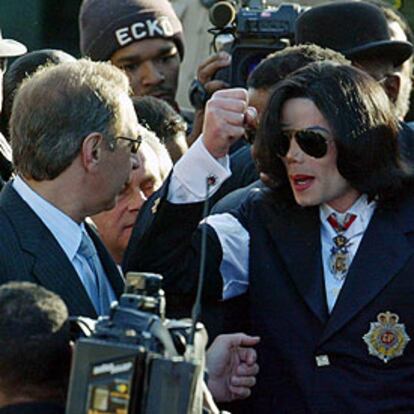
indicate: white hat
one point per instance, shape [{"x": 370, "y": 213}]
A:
[{"x": 10, "y": 47}]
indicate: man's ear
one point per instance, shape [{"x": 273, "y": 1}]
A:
[
  {"x": 91, "y": 150},
  {"x": 391, "y": 85}
]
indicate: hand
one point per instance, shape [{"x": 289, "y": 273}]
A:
[
  {"x": 208, "y": 68},
  {"x": 231, "y": 363},
  {"x": 205, "y": 74},
  {"x": 226, "y": 117}
]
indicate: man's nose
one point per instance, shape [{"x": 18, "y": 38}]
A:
[
  {"x": 151, "y": 74},
  {"x": 295, "y": 153},
  {"x": 135, "y": 161},
  {"x": 136, "y": 200}
]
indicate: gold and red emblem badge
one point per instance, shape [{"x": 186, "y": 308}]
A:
[{"x": 386, "y": 338}]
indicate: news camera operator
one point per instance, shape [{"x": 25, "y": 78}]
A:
[{"x": 35, "y": 354}]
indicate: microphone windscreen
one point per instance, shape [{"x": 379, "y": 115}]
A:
[{"x": 222, "y": 13}]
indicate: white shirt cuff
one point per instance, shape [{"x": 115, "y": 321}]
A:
[{"x": 188, "y": 180}]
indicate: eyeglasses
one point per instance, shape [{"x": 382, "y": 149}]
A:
[
  {"x": 310, "y": 142},
  {"x": 134, "y": 143}
]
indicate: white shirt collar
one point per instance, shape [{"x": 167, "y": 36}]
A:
[
  {"x": 361, "y": 208},
  {"x": 66, "y": 231}
]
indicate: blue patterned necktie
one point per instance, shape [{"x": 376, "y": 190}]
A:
[{"x": 93, "y": 270}]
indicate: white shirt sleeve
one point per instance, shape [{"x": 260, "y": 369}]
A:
[
  {"x": 235, "y": 243},
  {"x": 188, "y": 180},
  {"x": 188, "y": 185}
]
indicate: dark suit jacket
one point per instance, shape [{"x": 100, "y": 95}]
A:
[
  {"x": 33, "y": 408},
  {"x": 286, "y": 303},
  {"x": 236, "y": 198},
  {"x": 29, "y": 252}
]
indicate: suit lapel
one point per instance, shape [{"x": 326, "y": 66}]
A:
[
  {"x": 49, "y": 264},
  {"x": 383, "y": 251},
  {"x": 296, "y": 232},
  {"x": 144, "y": 221}
]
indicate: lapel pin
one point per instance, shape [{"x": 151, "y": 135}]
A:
[{"x": 154, "y": 207}]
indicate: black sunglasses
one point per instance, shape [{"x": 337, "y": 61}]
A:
[
  {"x": 310, "y": 142},
  {"x": 134, "y": 142}
]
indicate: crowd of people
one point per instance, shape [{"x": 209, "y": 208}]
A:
[{"x": 308, "y": 174}]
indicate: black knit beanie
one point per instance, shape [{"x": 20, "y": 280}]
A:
[{"x": 108, "y": 25}]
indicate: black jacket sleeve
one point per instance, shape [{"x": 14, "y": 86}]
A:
[{"x": 166, "y": 240}]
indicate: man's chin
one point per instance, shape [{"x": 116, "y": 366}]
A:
[
  {"x": 124, "y": 238},
  {"x": 108, "y": 205},
  {"x": 170, "y": 99}
]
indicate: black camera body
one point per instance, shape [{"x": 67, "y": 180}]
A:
[
  {"x": 135, "y": 361},
  {"x": 257, "y": 30}
]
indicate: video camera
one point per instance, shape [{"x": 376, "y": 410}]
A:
[
  {"x": 135, "y": 361},
  {"x": 255, "y": 30}
]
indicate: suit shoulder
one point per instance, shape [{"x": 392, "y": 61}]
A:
[
  {"x": 6, "y": 224},
  {"x": 263, "y": 196}
]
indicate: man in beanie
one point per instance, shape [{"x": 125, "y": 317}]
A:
[{"x": 143, "y": 37}]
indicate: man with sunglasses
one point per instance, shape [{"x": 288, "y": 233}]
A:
[
  {"x": 320, "y": 264},
  {"x": 8, "y": 48},
  {"x": 271, "y": 70},
  {"x": 74, "y": 136}
]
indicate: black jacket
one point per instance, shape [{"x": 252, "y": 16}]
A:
[
  {"x": 29, "y": 252},
  {"x": 34, "y": 408},
  {"x": 310, "y": 361}
]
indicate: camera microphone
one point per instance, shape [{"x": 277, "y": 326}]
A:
[{"x": 222, "y": 14}]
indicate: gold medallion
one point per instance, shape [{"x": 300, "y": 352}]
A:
[
  {"x": 386, "y": 338},
  {"x": 340, "y": 241},
  {"x": 339, "y": 264}
]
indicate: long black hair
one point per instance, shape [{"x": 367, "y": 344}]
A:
[{"x": 362, "y": 122}]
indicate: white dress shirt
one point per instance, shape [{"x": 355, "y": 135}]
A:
[{"x": 363, "y": 211}]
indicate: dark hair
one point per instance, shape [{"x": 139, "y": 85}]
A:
[
  {"x": 282, "y": 63},
  {"x": 34, "y": 342},
  {"x": 160, "y": 117},
  {"x": 360, "y": 117},
  {"x": 19, "y": 70}
]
